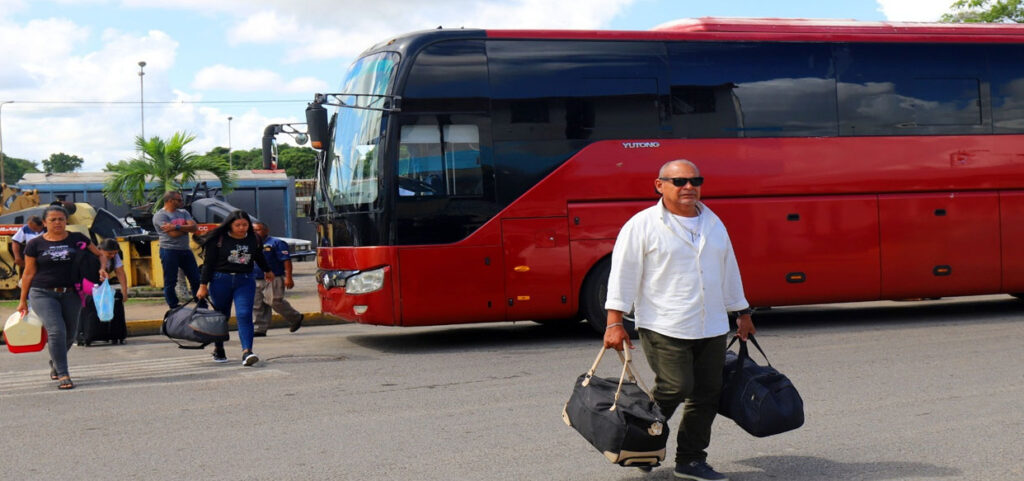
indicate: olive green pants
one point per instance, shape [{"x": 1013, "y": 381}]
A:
[{"x": 690, "y": 371}]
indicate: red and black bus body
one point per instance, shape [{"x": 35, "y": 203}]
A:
[{"x": 849, "y": 161}]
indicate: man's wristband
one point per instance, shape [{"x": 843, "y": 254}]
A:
[
  {"x": 609, "y": 326},
  {"x": 744, "y": 312},
  {"x": 177, "y": 226}
]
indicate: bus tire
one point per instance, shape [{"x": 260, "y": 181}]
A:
[{"x": 593, "y": 295}]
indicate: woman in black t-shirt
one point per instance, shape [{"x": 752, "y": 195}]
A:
[
  {"x": 229, "y": 252},
  {"x": 51, "y": 272}
]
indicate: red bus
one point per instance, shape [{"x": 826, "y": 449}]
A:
[{"x": 483, "y": 175}]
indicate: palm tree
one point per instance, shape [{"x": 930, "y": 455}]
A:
[{"x": 164, "y": 163}]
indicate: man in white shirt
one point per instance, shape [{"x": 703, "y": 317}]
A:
[
  {"x": 673, "y": 265},
  {"x": 33, "y": 228}
]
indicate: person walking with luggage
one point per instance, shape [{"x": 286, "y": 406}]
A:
[
  {"x": 229, "y": 253},
  {"x": 51, "y": 272},
  {"x": 173, "y": 225},
  {"x": 674, "y": 266},
  {"x": 270, "y": 295}
]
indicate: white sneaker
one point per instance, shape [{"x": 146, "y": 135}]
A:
[{"x": 249, "y": 359}]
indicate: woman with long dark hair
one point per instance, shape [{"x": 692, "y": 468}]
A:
[
  {"x": 229, "y": 252},
  {"x": 50, "y": 276}
]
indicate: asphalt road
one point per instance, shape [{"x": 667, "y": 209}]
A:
[{"x": 931, "y": 390}]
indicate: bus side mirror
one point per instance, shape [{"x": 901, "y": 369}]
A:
[
  {"x": 316, "y": 125},
  {"x": 269, "y": 147}
]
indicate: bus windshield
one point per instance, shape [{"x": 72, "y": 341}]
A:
[{"x": 354, "y": 163}]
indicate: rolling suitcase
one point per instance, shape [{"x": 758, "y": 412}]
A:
[{"x": 92, "y": 329}]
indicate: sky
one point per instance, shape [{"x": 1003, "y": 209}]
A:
[{"x": 71, "y": 66}]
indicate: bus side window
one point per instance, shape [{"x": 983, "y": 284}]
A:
[
  {"x": 419, "y": 161},
  {"x": 464, "y": 172}
]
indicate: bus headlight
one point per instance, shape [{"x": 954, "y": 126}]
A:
[
  {"x": 364, "y": 282},
  {"x": 332, "y": 278}
]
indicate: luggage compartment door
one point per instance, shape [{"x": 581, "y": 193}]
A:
[
  {"x": 537, "y": 268},
  {"x": 944, "y": 244}
]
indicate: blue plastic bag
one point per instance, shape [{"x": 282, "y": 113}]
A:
[{"x": 103, "y": 296}]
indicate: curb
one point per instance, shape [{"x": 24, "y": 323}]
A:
[{"x": 151, "y": 327}]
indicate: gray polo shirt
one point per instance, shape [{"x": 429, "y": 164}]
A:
[{"x": 178, "y": 217}]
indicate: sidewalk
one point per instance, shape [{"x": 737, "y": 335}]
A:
[{"x": 145, "y": 314}]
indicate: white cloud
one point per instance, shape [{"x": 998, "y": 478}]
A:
[
  {"x": 263, "y": 28},
  {"x": 222, "y": 77},
  {"x": 913, "y": 10}
]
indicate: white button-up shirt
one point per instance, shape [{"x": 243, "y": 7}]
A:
[{"x": 680, "y": 287}]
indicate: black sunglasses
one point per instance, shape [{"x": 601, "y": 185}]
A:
[{"x": 681, "y": 181}]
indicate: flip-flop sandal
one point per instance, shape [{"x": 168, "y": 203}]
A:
[
  {"x": 66, "y": 384},
  {"x": 53, "y": 372}
]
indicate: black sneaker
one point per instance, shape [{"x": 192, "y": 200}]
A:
[
  {"x": 297, "y": 324},
  {"x": 219, "y": 355},
  {"x": 249, "y": 359},
  {"x": 699, "y": 471}
]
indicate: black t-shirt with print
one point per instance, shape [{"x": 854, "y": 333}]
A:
[
  {"x": 234, "y": 256},
  {"x": 55, "y": 266}
]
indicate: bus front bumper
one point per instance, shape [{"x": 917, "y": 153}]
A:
[{"x": 365, "y": 297}]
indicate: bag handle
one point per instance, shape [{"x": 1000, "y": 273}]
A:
[
  {"x": 744, "y": 352},
  {"x": 627, "y": 370},
  {"x": 194, "y": 299}
]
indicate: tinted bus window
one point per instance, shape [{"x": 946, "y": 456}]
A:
[
  {"x": 911, "y": 89},
  {"x": 1006, "y": 71},
  {"x": 551, "y": 98},
  {"x": 448, "y": 76},
  {"x": 751, "y": 89},
  {"x": 575, "y": 90}
]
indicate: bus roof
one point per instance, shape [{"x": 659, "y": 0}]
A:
[{"x": 793, "y": 29}]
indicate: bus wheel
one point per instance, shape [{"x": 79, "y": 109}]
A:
[{"x": 594, "y": 293}]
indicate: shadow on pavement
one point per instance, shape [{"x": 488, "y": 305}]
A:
[
  {"x": 524, "y": 334},
  {"x": 796, "y": 468},
  {"x": 892, "y": 313}
]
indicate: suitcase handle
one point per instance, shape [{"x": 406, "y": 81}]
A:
[{"x": 627, "y": 369}]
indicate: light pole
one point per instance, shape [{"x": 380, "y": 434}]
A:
[
  {"x": 231, "y": 161},
  {"x": 142, "y": 99},
  {"x": 3, "y": 180}
]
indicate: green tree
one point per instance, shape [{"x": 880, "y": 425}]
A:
[
  {"x": 15, "y": 169},
  {"x": 62, "y": 163},
  {"x": 993, "y": 11},
  {"x": 298, "y": 162},
  {"x": 164, "y": 163}
]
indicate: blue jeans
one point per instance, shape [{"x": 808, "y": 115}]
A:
[
  {"x": 239, "y": 289},
  {"x": 172, "y": 260},
  {"x": 59, "y": 313}
]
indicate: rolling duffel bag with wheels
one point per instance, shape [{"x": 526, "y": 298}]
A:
[
  {"x": 760, "y": 399},
  {"x": 618, "y": 417}
]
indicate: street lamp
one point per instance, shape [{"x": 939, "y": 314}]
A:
[
  {"x": 3, "y": 180},
  {"x": 231, "y": 163},
  {"x": 142, "y": 99}
]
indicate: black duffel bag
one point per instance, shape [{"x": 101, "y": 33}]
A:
[
  {"x": 618, "y": 417},
  {"x": 760, "y": 399},
  {"x": 195, "y": 324}
]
